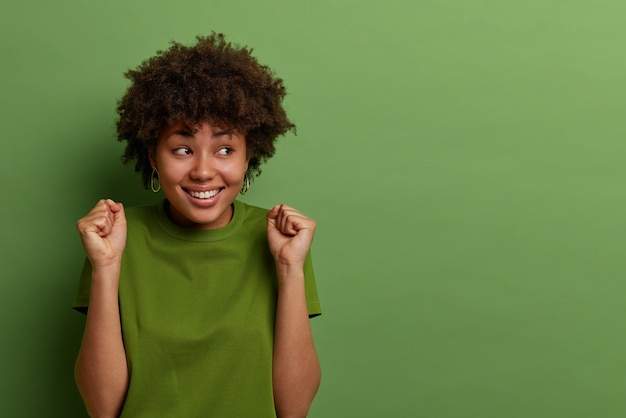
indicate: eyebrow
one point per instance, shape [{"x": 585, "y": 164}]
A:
[
  {"x": 182, "y": 132},
  {"x": 186, "y": 132},
  {"x": 223, "y": 132}
]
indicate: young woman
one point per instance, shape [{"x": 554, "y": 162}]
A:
[{"x": 198, "y": 306}]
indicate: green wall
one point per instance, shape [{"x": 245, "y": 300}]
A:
[{"x": 464, "y": 161}]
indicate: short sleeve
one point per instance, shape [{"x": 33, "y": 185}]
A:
[
  {"x": 81, "y": 301},
  {"x": 312, "y": 299}
]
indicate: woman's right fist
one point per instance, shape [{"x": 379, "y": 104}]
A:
[{"x": 103, "y": 233}]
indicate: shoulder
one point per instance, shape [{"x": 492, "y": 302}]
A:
[
  {"x": 138, "y": 214},
  {"x": 250, "y": 217},
  {"x": 141, "y": 219},
  {"x": 250, "y": 211}
]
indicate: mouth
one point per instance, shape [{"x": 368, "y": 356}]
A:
[{"x": 204, "y": 195}]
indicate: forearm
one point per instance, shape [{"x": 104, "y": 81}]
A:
[
  {"x": 296, "y": 369},
  {"x": 101, "y": 370}
]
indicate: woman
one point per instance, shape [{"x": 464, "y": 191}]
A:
[{"x": 198, "y": 306}]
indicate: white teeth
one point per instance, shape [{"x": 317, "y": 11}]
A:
[{"x": 204, "y": 195}]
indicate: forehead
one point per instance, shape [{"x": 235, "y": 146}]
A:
[{"x": 200, "y": 129}]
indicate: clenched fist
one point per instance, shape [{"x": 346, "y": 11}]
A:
[
  {"x": 289, "y": 234},
  {"x": 103, "y": 233}
]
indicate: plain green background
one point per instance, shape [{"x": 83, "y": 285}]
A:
[{"x": 464, "y": 161}]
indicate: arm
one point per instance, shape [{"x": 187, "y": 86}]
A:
[
  {"x": 101, "y": 371},
  {"x": 296, "y": 368}
]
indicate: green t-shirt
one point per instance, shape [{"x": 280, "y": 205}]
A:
[{"x": 198, "y": 311}]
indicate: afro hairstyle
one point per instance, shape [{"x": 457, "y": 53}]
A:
[{"x": 212, "y": 81}]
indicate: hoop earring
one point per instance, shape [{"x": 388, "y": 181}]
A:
[
  {"x": 152, "y": 180},
  {"x": 246, "y": 184}
]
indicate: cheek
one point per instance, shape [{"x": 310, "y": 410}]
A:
[
  {"x": 234, "y": 174},
  {"x": 171, "y": 173},
  {"x": 235, "y": 168}
]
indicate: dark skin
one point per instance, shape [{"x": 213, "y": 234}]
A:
[
  {"x": 101, "y": 369},
  {"x": 208, "y": 85},
  {"x": 211, "y": 81}
]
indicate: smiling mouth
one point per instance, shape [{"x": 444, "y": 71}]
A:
[{"x": 204, "y": 195}]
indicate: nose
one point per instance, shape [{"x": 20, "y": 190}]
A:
[{"x": 203, "y": 168}]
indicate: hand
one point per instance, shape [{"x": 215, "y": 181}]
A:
[
  {"x": 103, "y": 233},
  {"x": 289, "y": 234}
]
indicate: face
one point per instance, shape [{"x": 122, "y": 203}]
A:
[{"x": 201, "y": 170}]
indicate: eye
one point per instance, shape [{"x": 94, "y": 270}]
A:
[
  {"x": 182, "y": 151},
  {"x": 225, "y": 151}
]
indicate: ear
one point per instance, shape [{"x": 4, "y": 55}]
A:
[{"x": 152, "y": 158}]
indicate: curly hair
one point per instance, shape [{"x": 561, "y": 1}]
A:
[{"x": 212, "y": 81}]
